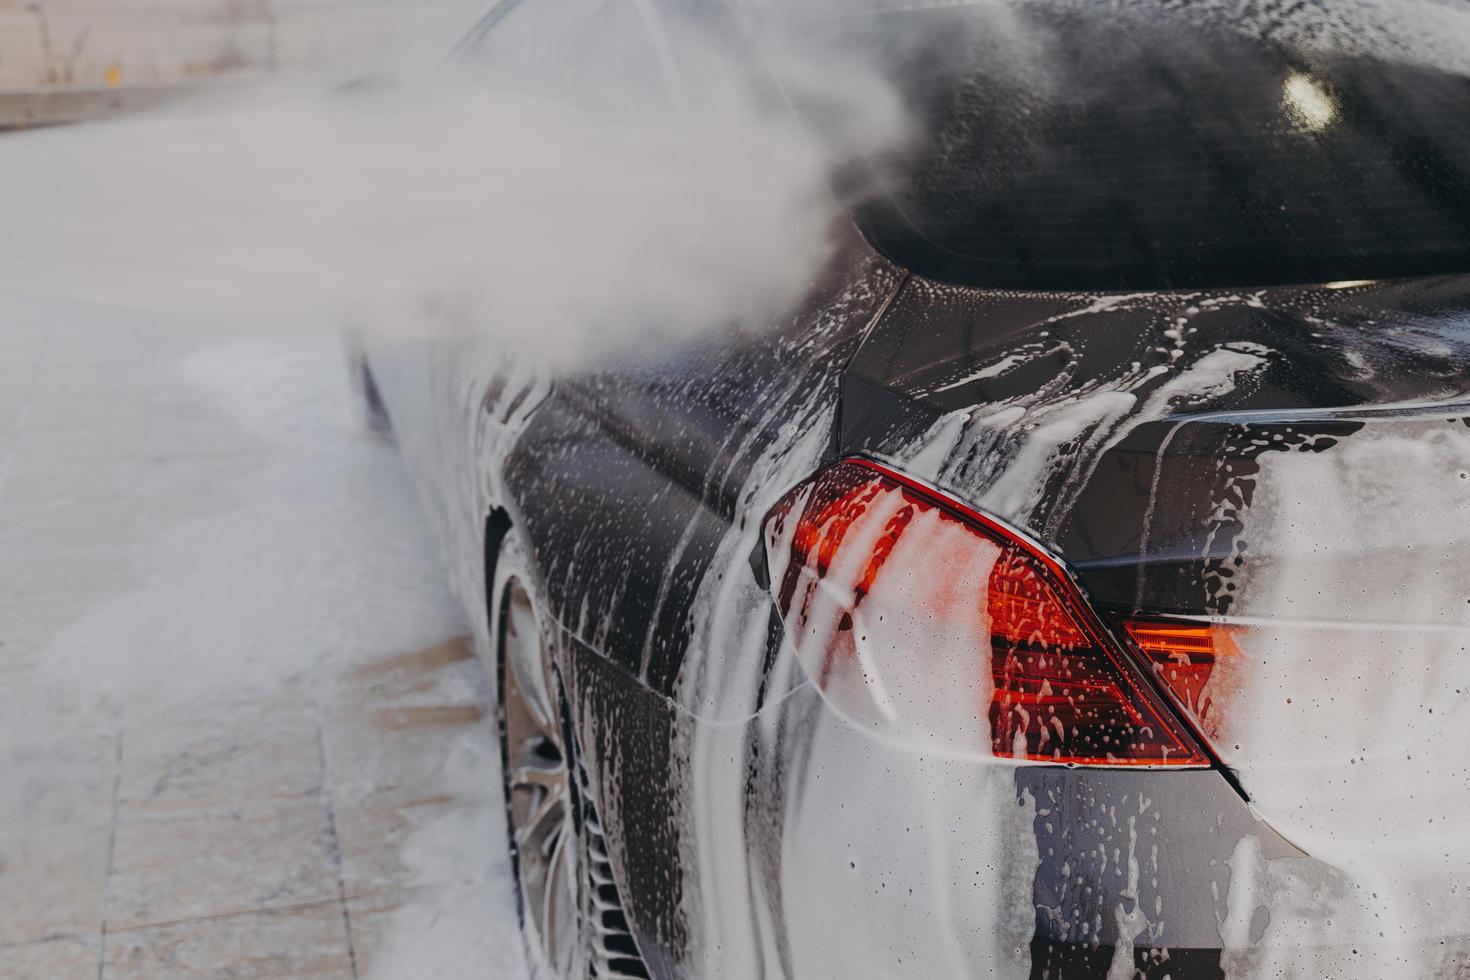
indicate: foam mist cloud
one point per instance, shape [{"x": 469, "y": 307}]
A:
[
  {"x": 569, "y": 192},
  {"x": 567, "y": 213}
]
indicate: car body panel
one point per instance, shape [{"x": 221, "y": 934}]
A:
[
  {"x": 656, "y": 464},
  {"x": 1171, "y": 449},
  {"x": 730, "y": 790}
]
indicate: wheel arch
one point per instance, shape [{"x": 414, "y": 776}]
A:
[{"x": 497, "y": 528}]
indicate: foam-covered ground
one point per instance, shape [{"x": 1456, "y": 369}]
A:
[{"x": 241, "y": 730}]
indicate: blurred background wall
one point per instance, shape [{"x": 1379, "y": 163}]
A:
[{"x": 62, "y": 60}]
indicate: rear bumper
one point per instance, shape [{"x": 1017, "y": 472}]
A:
[
  {"x": 795, "y": 845},
  {"x": 949, "y": 867}
]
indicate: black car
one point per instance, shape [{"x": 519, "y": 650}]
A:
[{"x": 1076, "y": 583}]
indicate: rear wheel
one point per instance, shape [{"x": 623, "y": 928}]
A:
[
  {"x": 571, "y": 910},
  {"x": 545, "y": 842}
]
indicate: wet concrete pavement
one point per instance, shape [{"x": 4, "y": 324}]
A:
[{"x": 242, "y": 729}]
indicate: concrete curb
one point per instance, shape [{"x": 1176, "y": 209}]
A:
[{"x": 58, "y": 105}]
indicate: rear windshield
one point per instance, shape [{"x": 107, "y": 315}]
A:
[{"x": 1137, "y": 145}]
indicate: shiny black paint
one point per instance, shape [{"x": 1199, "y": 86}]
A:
[
  {"x": 628, "y": 735},
  {"x": 627, "y": 480},
  {"x": 1169, "y": 558},
  {"x": 1193, "y": 819}
]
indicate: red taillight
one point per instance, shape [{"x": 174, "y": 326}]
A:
[
  {"x": 1188, "y": 658},
  {"x": 920, "y": 618}
]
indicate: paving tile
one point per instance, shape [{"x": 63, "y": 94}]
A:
[
  {"x": 372, "y": 840},
  {"x": 199, "y": 475},
  {"x": 13, "y": 407},
  {"x": 50, "y": 414},
  {"x": 300, "y": 944},
  {"x": 176, "y": 341},
  {"x": 181, "y": 486},
  {"x": 175, "y": 435},
  {"x": 24, "y": 331},
  {"x": 52, "y": 882},
  {"x": 416, "y": 935},
  {"x": 15, "y": 390},
  {"x": 38, "y": 575},
  {"x": 282, "y": 698},
  {"x": 373, "y": 924},
  {"x": 34, "y": 708},
  {"x": 445, "y": 673},
  {"x": 21, "y": 357},
  {"x": 104, "y": 331},
  {"x": 28, "y": 629},
  {"x": 93, "y": 442},
  {"x": 35, "y": 703},
  {"x": 55, "y": 781},
  {"x": 97, "y": 353},
  {"x": 395, "y": 755},
  {"x": 42, "y": 704},
  {"x": 57, "y": 524},
  {"x": 71, "y": 958},
  {"x": 245, "y": 760},
  {"x": 85, "y": 382},
  {"x": 176, "y": 869},
  {"x": 175, "y": 399},
  {"x": 73, "y": 484}
]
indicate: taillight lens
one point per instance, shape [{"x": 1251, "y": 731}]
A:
[
  {"x": 923, "y": 620},
  {"x": 1195, "y": 661}
]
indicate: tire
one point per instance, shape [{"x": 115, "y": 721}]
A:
[{"x": 568, "y": 905}]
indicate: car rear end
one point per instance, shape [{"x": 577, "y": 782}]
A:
[
  {"x": 1136, "y": 672},
  {"x": 1131, "y": 609}
]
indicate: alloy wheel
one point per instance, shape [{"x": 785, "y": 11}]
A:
[{"x": 539, "y": 784}]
